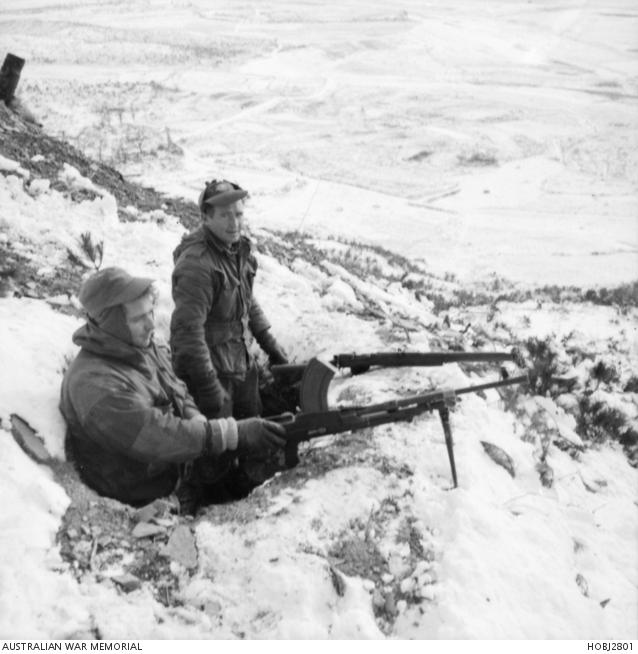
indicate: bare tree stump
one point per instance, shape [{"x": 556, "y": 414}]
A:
[{"x": 10, "y": 76}]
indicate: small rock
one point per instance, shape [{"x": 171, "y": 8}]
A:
[
  {"x": 28, "y": 439},
  {"x": 146, "y": 529},
  {"x": 591, "y": 484},
  {"x": 499, "y": 456},
  {"x": 546, "y": 474},
  {"x": 337, "y": 582},
  {"x": 181, "y": 547},
  {"x": 127, "y": 582},
  {"x": 165, "y": 522},
  {"x": 160, "y": 508},
  {"x": 582, "y": 584}
]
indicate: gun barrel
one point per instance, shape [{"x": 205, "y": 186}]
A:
[
  {"x": 510, "y": 381},
  {"x": 435, "y": 398},
  {"x": 398, "y": 359}
]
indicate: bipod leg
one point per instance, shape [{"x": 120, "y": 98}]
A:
[{"x": 444, "y": 412}]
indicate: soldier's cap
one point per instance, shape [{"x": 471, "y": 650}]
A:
[
  {"x": 220, "y": 194},
  {"x": 110, "y": 287}
]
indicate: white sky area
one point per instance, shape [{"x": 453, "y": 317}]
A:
[{"x": 480, "y": 138}]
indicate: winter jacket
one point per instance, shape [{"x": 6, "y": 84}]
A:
[
  {"x": 215, "y": 313},
  {"x": 128, "y": 418}
]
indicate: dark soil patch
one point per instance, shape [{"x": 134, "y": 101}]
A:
[{"x": 96, "y": 540}]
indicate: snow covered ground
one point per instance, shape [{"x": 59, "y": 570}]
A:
[{"x": 479, "y": 138}]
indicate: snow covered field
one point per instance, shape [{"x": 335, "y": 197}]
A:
[
  {"x": 499, "y": 136},
  {"x": 478, "y": 138}
]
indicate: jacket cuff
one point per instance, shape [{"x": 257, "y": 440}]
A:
[
  {"x": 232, "y": 433},
  {"x": 221, "y": 435}
]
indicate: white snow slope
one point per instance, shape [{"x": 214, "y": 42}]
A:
[{"x": 477, "y": 138}]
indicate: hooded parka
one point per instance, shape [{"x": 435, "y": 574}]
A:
[{"x": 129, "y": 418}]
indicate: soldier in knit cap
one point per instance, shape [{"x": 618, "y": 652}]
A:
[
  {"x": 134, "y": 431},
  {"x": 216, "y": 316}
]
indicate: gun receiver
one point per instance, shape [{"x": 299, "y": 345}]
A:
[{"x": 306, "y": 426}]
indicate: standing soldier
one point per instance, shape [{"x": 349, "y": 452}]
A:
[{"x": 216, "y": 315}]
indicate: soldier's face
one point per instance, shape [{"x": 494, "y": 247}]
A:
[
  {"x": 140, "y": 319},
  {"x": 226, "y": 222}
]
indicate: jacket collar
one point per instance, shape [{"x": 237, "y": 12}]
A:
[
  {"x": 242, "y": 246},
  {"x": 92, "y": 338}
]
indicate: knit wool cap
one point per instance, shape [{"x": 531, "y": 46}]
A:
[
  {"x": 220, "y": 194},
  {"x": 109, "y": 288}
]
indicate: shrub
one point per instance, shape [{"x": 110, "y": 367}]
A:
[
  {"x": 543, "y": 364},
  {"x": 598, "y": 423},
  {"x": 604, "y": 373}
]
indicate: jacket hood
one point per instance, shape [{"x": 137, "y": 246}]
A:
[{"x": 92, "y": 338}]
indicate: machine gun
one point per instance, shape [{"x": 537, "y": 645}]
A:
[
  {"x": 316, "y": 376},
  {"x": 317, "y": 420}
]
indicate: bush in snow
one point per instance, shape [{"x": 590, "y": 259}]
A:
[{"x": 599, "y": 422}]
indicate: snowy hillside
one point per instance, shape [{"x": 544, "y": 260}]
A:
[
  {"x": 364, "y": 538},
  {"x": 443, "y": 178}
]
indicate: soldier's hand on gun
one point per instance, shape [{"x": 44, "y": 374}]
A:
[{"x": 259, "y": 437}]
